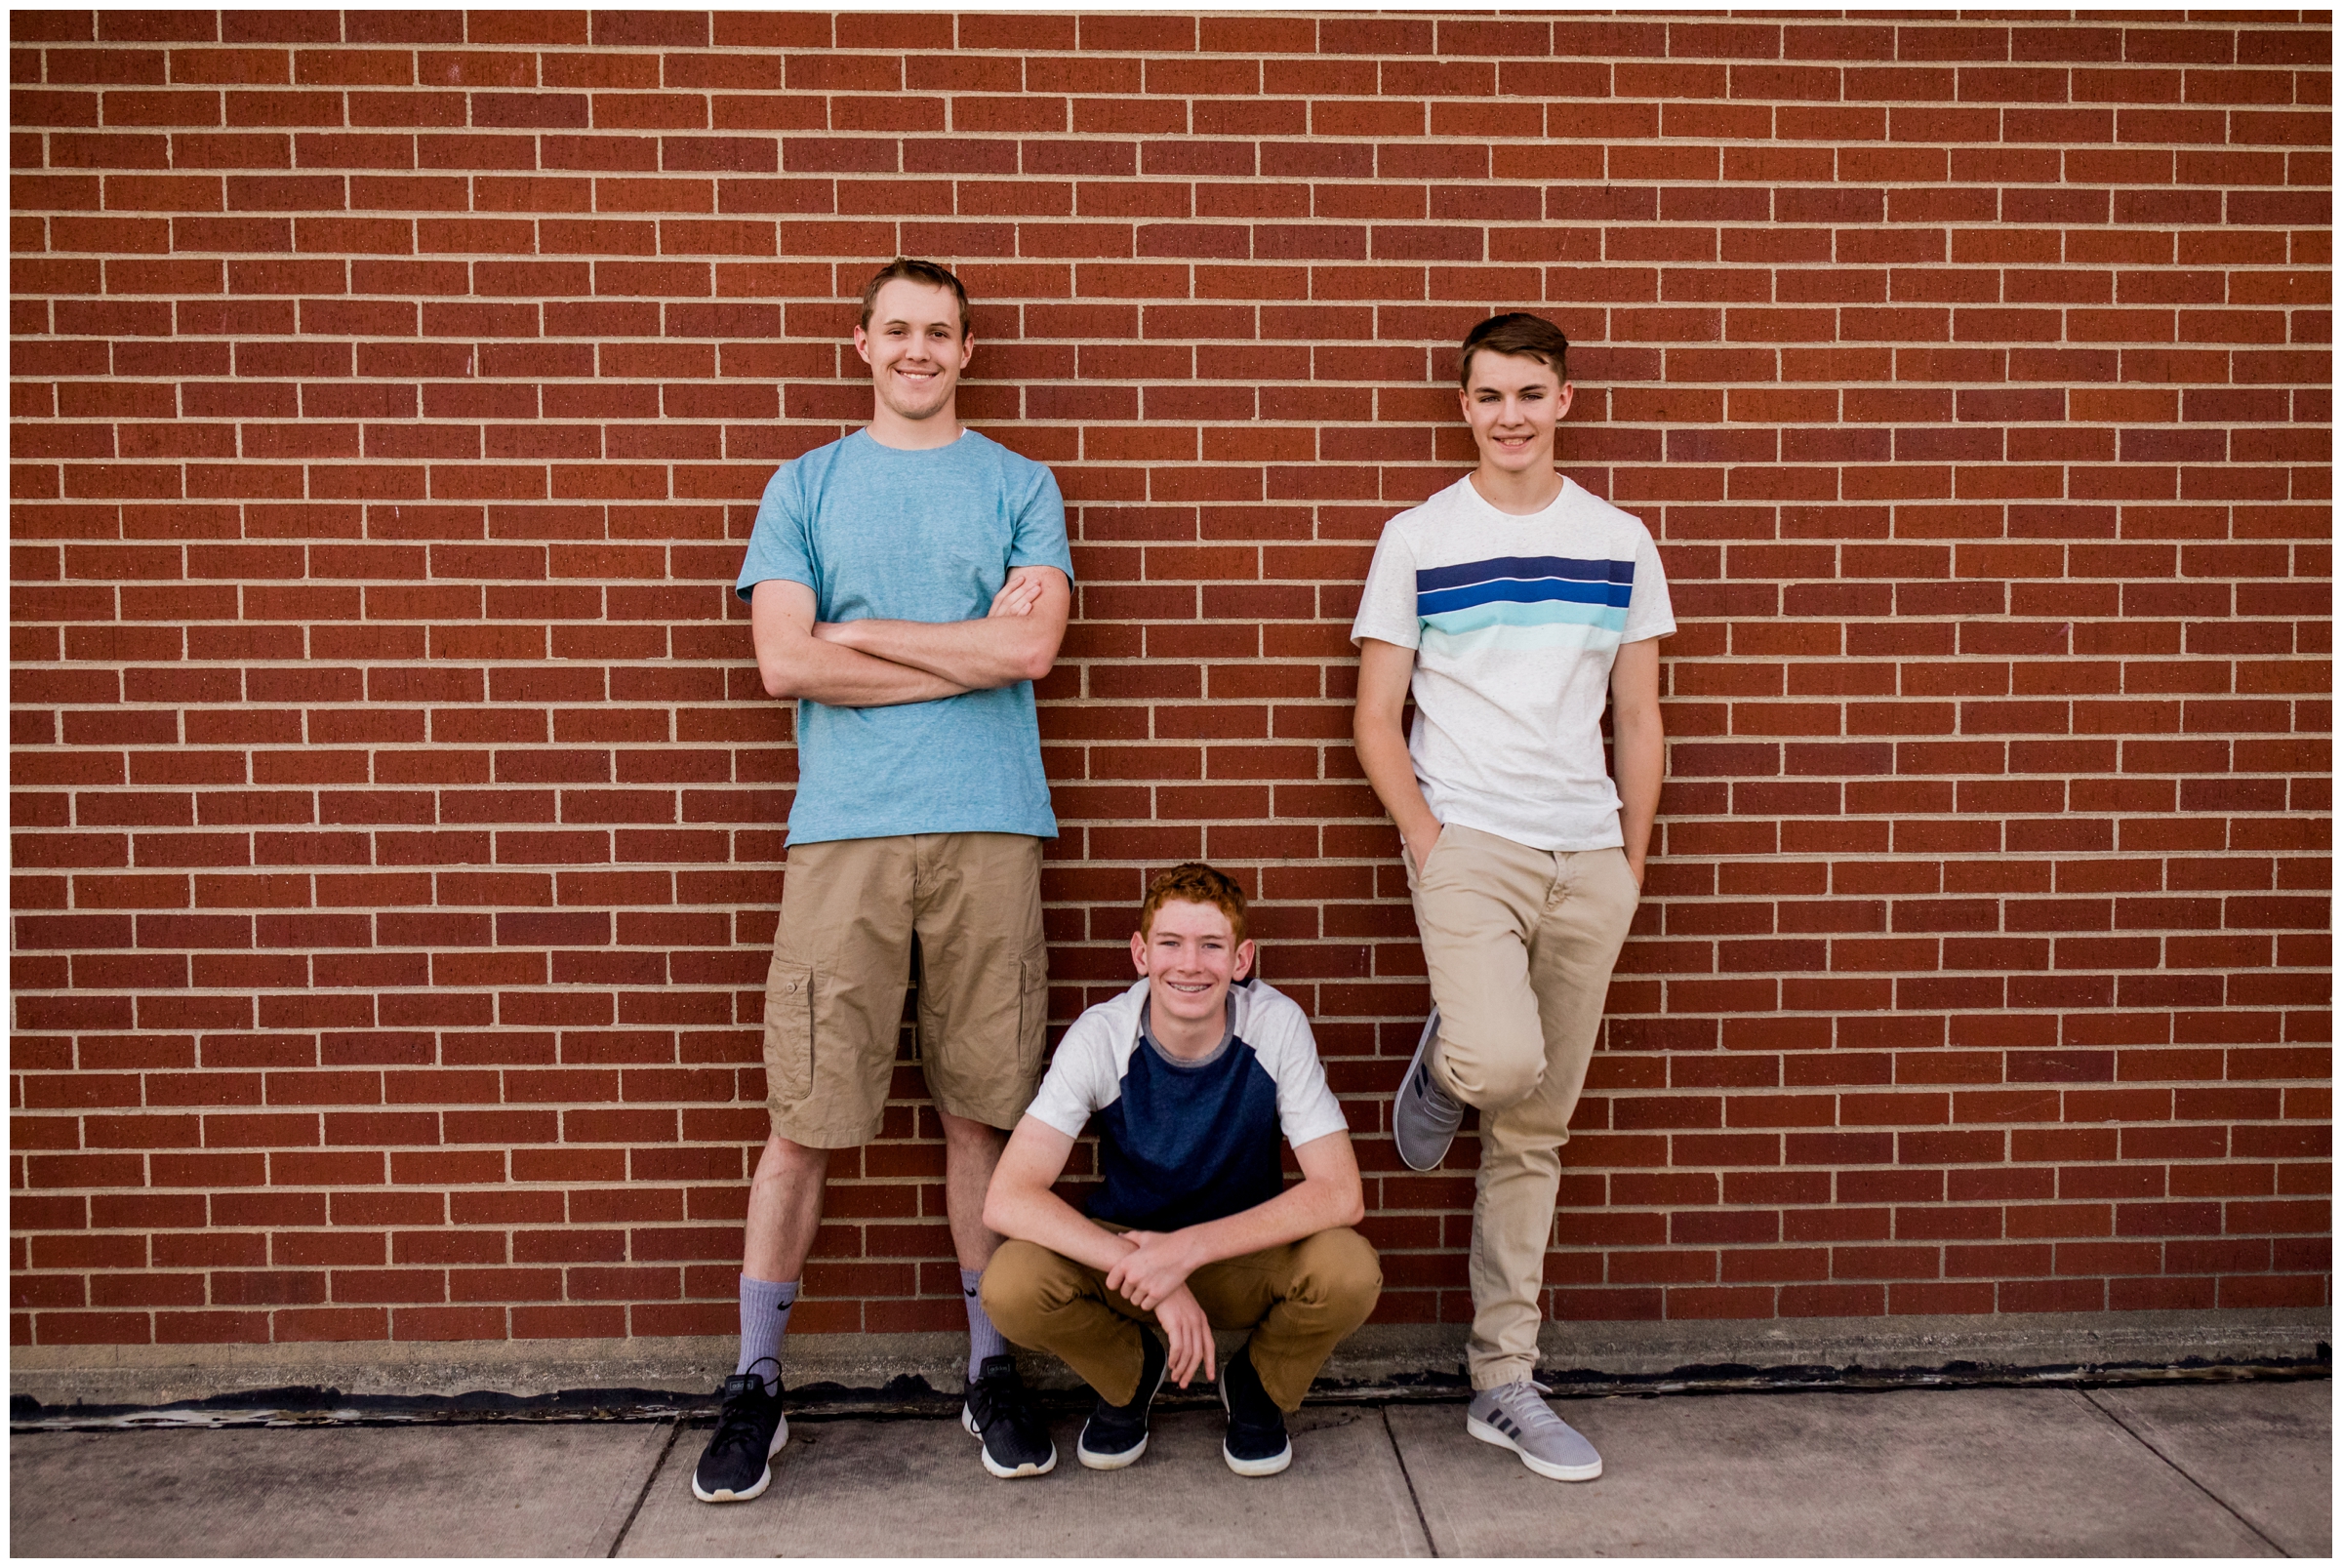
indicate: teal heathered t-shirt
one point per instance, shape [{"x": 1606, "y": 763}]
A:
[{"x": 883, "y": 533}]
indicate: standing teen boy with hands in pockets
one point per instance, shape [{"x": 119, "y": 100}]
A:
[{"x": 1514, "y": 605}]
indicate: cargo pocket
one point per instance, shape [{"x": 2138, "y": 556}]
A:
[
  {"x": 789, "y": 1004},
  {"x": 1032, "y": 1015}
]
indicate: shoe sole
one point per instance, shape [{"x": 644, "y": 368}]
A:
[
  {"x": 1542, "y": 1467},
  {"x": 1271, "y": 1466},
  {"x": 967, "y": 1421},
  {"x": 1108, "y": 1462},
  {"x": 1115, "y": 1462},
  {"x": 1423, "y": 1049},
  {"x": 780, "y": 1441}
]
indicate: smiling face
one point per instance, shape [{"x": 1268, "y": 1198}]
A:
[
  {"x": 1190, "y": 957},
  {"x": 914, "y": 347},
  {"x": 1512, "y": 402}
]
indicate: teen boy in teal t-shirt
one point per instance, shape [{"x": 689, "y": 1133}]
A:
[{"x": 906, "y": 585}]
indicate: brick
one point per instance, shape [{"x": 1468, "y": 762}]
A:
[{"x": 395, "y": 802}]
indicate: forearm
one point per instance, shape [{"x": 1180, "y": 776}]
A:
[
  {"x": 1638, "y": 752},
  {"x": 1303, "y": 1209},
  {"x": 1390, "y": 773},
  {"x": 974, "y": 655},
  {"x": 838, "y": 676},
  {"x": 1046, "y": 1220}
]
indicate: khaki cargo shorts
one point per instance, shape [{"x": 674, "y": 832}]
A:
[{"x": 841, "y": 963}]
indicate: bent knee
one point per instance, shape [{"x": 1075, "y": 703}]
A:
[
  {"x": 1494, "y": 1085},
  {"x": 1022, "y": 1286},
  {"x": 1339, "y": 1269},
  {"x": 1491, "y": 1059}
]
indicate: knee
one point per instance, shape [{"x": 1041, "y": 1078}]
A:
[
  {"x": 1015, "y": 1289},
  {"x": 1025, "y": 1286},
  {"x": 1491, "y": 1082},
  {"x": 1340, "y": 1273},
  {"x": 785, "y": 1161}
]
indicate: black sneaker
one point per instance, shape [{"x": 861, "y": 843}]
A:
[
  {"x": 748, "y": 1431},
  {"x": 1256, "y": 1443},
  {"x": 998, "y": 1410},
  {"x": 1116, "y": 1436}
]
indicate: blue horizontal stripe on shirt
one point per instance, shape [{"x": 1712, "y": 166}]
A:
[
  {"x": 1511, "y": 590},
  {"x": 1430, "y": 579},
  {"x": 1451, "y": 624}
]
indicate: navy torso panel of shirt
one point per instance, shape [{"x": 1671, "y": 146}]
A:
[{"x": 1183, "y": 1145}]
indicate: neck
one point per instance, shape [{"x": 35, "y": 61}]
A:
[
  {"x": 1181, "y": 1039},
  {"x": 891, "y": 429},
  {"x": 1519, "y": 492}
]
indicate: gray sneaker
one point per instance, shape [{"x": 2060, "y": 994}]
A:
[
  {"x": 1424, "y": 1117},
  {"x": 1515, "y": 1417}
]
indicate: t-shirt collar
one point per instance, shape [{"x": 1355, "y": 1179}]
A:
[
  {"x": 1185, "y": 1064},
  {"x": 1482, "y": 503}
]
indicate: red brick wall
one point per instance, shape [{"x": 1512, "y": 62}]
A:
[{"x": 397, "y": 820}]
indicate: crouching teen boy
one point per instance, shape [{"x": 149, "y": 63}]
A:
[{"x": 1190, "y": 1075}]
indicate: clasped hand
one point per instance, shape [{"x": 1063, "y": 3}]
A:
[{"x": 1154, "y": 1278}]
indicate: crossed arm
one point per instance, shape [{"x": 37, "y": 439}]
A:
[
  {"x": 1150, "y": 1268},
  {"x": 880, "y": 663}
]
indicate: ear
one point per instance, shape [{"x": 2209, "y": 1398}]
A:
[
  {"x": 967, "y": 349},
  {"x": 1569, "y": 393},
  {"x": 1138, "y": 951},
  {"x": 1244, "y": 953},
  {"x": 862, "y": 344},
  {"x": 1463, "y": 401}
]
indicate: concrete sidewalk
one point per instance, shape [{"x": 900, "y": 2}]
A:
[{"x": 2174, "y": 1470}]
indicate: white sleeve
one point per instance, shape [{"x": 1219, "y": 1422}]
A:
[
  {"x": 1306, "y": 1108},
  {"x": 1387, "y": 607},
  {"x": 1082, "y": 1080},
  {"x": 1650, "y": 613}
]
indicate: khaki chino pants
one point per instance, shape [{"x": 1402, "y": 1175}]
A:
[
  {"x": 1521, "y": 944},
  {"x": 1303, "y": 1297}
]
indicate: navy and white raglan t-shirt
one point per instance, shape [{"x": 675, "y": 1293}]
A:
[{"x": 1181, "y": 1143}]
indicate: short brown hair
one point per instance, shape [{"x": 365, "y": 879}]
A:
[
  {"x": 1194, "y": 883},
  {"x": 1518, "y": 333},
  {"x": 910, "y": 269}
]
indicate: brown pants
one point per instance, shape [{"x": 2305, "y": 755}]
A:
[{"x": 1303, "y": 1297}]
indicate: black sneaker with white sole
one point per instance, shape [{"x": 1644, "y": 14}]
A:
[
  {"x": 1116, "y": 1436},
  {"x": 998, "y": 1411},
  {"x": 749, "y": 1431},
  {"x": 1255, "y": 1444}
]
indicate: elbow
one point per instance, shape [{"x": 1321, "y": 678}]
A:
[
  {"x": 1038, "y": 658},
  {"x": 780, "y": 678}
]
